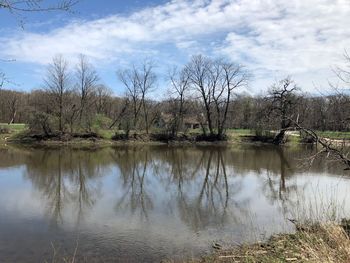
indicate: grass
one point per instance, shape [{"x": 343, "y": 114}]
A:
[
  {"x": 10, "y": 131},
  {"x": 240, "y": 132},
  {"x": 106, "y": 134},
  {"x": 334, "y": 135},
  {"x": 327, "y": 242},
  {"x": 14, "y": 126},
  {"x": 237, "y": 134},
  {"x": 321, "y": 235},
  {"x": 293, "y": 140}
]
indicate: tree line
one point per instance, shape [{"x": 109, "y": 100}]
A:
[{"x": 202, "y": 92}]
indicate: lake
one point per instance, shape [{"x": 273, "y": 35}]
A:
[{"x": 150, "y": 203}]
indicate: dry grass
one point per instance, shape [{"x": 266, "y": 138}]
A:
[{"x": 315, "y": 243}]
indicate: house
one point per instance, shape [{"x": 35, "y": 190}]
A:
[{"x": 189, "y": 122}]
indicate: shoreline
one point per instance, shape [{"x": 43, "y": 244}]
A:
[
  {"x": 310, "y": 242},
  {"x": 107, "y": 142},
  {"x": 20, "y": 134},
  {"x": 93, "y": 139}
]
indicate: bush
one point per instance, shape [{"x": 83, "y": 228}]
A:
[
  {"x": 211, "y": 138},
  {"x": 41, "y": 122},
  {"x": 101, "y": 122},
  {"x": 120, "y": 136}
]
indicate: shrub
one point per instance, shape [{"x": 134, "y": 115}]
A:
[
  {"x": 101, "y": 122},
  {"x": 41, "y": 122},
  {"x": 120, "y": 136}
]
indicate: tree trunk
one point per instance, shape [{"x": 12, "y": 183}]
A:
[
  {"x": 13, "y": 117},
  {"x": 280, "y": 138}
]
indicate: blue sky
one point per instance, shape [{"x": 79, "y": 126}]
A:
[{"x": 272, "y": 38}]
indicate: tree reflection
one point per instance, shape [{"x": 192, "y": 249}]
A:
[
  {"x": 62, "y": 176},
  {"x": 213, "y": 195},
  {"x": 86, "y": 192},
  {"x": 278, "y": 187},
  {"x": 194, "y": 184},
  {"x": 202, "y": 186},
  {"x": 134, "y": 172}
]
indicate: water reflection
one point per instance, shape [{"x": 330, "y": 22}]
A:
[
  {"x": 133, "y": 167},
  {"x": 277, "y": 186},
  {"x": 169, "y": 199},
  {"x": 65, "y": 176},
  {"x": 196, "y": 183}
]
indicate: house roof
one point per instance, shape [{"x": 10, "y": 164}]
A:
[{"x": 188, "y": 119}]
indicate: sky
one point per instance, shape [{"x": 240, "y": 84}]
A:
[{"x": 271, "y": 38}]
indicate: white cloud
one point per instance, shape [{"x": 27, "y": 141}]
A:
[
  {"x": 305, "y": 41},
  {"x": 274, "y": 37}
]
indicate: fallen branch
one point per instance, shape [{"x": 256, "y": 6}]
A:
[{"x": 327, "y": 145}]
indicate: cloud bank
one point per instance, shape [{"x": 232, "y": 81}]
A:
[{"x": 272, "y": 37}]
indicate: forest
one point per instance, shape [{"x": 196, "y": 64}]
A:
[{"x": 200, "y": 96}]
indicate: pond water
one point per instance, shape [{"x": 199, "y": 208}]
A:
[{"x": 150, "y": 203}]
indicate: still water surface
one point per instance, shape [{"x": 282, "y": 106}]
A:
[{"x": 148, "y": 203}]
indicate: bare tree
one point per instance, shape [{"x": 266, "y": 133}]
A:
[
  {"x": 215, "y": 81},
  {"x": 281, "y": 101},
  {"x": 2, "y": 79},
  {"x": 180, "y": 81},
  {"x": 227, "y": 77},
  {"x": 57, "y": 83},
  {"x": 15, "y": 6},
  {"x": 102, "y": 94},
  {"x": 12, "y": 103},
  {"x": 139, "y": 82},
  {"x": 72, "y": 112},
  {"x": 147, "y": 81},
  {"x": 122, "y": 113},
  {"x": 344, "y": 73},
  {"x": 341, "y": 99},
  {"x": 199, "y": 70},
  {"x": 129, "y": 78},
  {"x": 326, "y": 146},
  {"x": 87, "y": 79}
]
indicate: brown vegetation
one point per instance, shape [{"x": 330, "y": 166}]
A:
[{"x": 310, "y": 243}]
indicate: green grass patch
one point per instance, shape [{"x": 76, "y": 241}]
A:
[
  {"x": 106, "y": 134},
  {"x": 239, "y": 132},
  {"x": 11, "y": 131},
  {"x": 293, "y": 139},
  {"x": 14, "y": 126},
  {"x": 334, "y": 135}
]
